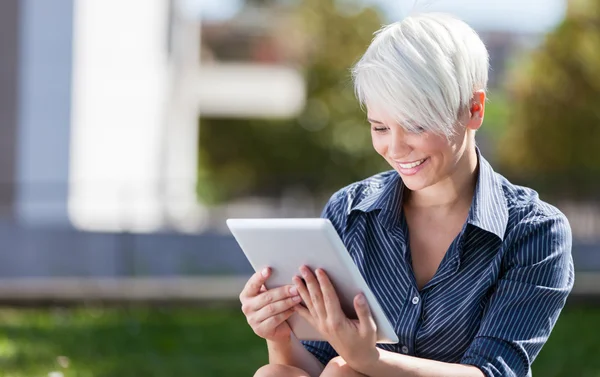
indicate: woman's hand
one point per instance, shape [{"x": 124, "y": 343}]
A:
[
  {"x": 267, "y": 310},
  {"x": 354, "y": 340}
]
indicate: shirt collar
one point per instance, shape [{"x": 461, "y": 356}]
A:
[
  {"x": 488, "y": 210},
  {"x": 385, "y": 196},
  {"x": 379, "y": 195}
]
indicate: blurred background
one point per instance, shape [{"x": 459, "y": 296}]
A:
[{"x": 131, "y": 129}]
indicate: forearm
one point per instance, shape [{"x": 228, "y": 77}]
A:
[
  {"x": 390, "y": 364},
  {"x": 294, "y": 354}
]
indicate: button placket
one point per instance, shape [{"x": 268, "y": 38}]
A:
[{"x": 417, "y": 310}]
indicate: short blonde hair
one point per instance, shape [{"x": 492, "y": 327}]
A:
[{"x": 422, "y": 71}]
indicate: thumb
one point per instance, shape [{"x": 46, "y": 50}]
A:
[
  {"x": 363, "y": 312},
  {"x": 255, "y": 284}
]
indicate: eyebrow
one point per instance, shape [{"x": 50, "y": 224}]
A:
[{"x": 374, "y": 121}]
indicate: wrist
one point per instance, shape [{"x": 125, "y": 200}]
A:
[
  {"x": 279, "y": 338},
  {"x": 279, "y": 342},
  {"x": 365, "y": 361},
  {"x": 280, "y": 350}
]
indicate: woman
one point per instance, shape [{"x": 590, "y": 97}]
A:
[{"x": 472, "y": 270}]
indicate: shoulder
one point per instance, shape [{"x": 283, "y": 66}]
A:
[
  {"x": 537, "y": 233},
  {"x": 527, "y": 212}
]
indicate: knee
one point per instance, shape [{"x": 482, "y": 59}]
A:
[
  {"x": 270, "y": 370},
  {"x": 276, "y": 370},
  {"x": 337, "y": 367}
]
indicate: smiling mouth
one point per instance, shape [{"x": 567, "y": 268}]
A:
[{"x": 411, "y": 165}]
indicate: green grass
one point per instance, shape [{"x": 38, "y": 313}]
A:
[
  {"x": 115, "y": 342},
  {"x": 573, "y": 349}
]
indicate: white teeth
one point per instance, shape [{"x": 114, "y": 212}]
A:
[{"x": 412, "y": 164}]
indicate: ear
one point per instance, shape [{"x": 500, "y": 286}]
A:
[{"x": 476, "y": 110}]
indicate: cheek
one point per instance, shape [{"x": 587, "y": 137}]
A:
[
  {"x": 433, "y": 145},
  {"x": 443, "y": 153},
  {"x": 379, "y": 144}
]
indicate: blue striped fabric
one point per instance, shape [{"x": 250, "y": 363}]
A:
[{"x": 498, "y": 291}]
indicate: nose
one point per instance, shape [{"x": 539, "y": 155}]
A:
[{"x": 398, "y": 147}]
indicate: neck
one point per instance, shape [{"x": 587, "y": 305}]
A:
[{"x": 456, "y": 189}]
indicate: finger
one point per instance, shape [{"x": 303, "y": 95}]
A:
[
  {"x": 274, "y": 321},
  {"x": 305, "y": 314},
  {"x": 365, "y": 319},
  {"x": 255, "y": 283},
  {"x": 304, "y": 294},
  {"x": 330, "y": 297},
  {"x": 276, "y": 308},
  {"x": 273, "y": 295},
  {"x": 314, "y": 290}
]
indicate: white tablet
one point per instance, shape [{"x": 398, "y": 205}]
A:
[{"x": 286, "y": 244}]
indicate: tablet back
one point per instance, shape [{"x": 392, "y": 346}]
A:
[{"x": 286, "y": 244}]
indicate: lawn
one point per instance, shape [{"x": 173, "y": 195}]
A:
[
  {"x": 115, "y": 342},
  {"x": 143, "y": 341}
]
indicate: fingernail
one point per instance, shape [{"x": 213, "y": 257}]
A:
[
  {"x": 265, "y": 272},
  {"x": 293, "y": 291},
  {"x": 361, "y": 299},
  {"x": 303, "y": 272},
  {"x": 296, "y": 298}
]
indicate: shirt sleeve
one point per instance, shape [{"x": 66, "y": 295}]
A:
[
  {"x": 334, "y": 211},
  {"x": 528, "y": 298}
]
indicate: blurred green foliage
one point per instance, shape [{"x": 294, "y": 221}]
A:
[
  {"x": 542, "y": 129},
  {"x": 327, "y": 146},
  {"x": 553, "y": 136},
  {"x": 497, "y": 114},
  {"x": 203, "y": 342}
]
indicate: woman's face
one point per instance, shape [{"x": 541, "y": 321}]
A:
[{"x": 422, "y": 159}]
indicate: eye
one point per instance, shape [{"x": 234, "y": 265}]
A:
[
  {"x": 379, "y": 129},
  {"x": 418, "y": 130}
]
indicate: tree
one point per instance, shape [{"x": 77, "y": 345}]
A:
[
  {"x": 328, "y": 146},
  {"x": 553, "y": 138}
]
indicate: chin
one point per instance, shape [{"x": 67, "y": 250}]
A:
[
  {"x": 417, "y": 181},
  {"x": 414, "y": 184}
]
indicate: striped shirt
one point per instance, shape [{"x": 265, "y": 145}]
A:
[{"x": 499, "y": 288}]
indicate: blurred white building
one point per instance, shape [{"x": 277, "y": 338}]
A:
[{"x": 105, "y": 131}]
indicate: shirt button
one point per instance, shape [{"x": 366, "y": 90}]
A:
[
  {"x": 404, "y": 349},
  {"x": 415, "y": 300}
]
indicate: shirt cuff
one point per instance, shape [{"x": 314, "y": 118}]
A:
[{"x": 496, "y": 357}]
